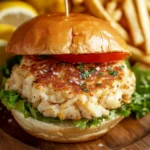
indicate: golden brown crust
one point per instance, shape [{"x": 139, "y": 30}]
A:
[
  {"x": 58, "y": 34},
  {"x": 63, "y": 132}
]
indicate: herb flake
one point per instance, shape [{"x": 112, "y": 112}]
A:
[
  {"x": 112, "y": 72},
  {"x": 84, "y": 88},
  {"x": 85, "y": 73}
]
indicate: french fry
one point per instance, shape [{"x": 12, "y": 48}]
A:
[
  {"x": 117, "y": 14},
  {"x": 148, "y": 5},
  {"x": 96, "y": 8},
  {"x": 111, "y": 6},
  {"x": 145, "y": 22},
  {"x": 131, "y": 16},
  {"x": 138, "y": 55}
]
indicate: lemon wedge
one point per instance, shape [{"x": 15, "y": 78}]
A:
[
  {"x": 16, "y": 12},
  {"x": 6, "y": 31},
  {"x": 3, "y": 43}
]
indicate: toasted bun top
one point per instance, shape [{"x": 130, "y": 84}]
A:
[{"x": 58, "y": 34}]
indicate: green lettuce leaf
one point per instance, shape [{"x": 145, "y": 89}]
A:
[
  {"x": 6, "y": 69},
  {"x": 82, "y": 123},
  {"x": 21, "y": 106},
  {"x": 142, "y": 79},
  {"x": 8, "y": 98}
]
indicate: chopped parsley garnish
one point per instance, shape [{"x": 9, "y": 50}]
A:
[
  {"x": 84, "y": 88},
  {"x": 91, "y": 70},
  {"x": 80, "y": 67},
  {"x": 6, "y": 69},
  {"x": 112, "y": 72},
  {"x": 85, "y": 73}
]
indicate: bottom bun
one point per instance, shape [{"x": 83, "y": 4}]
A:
[{"x": 63, "y": 132}]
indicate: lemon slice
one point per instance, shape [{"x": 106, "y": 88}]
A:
[
  {"x": 16, "y": 12},
  {"x": 3, "y": 43},
  {"x": 6, "y": 31}
]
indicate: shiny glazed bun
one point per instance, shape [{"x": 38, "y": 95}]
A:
[
  {"x": 58, "y": 34},
  {"x": 63, "y": 132}
]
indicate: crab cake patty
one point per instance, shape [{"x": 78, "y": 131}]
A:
[{"x": 72, "y": 91}]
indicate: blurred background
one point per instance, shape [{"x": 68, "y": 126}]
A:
[{"x": 131, "y": 18}]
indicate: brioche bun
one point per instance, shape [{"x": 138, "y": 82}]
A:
[
  {"x": 66, "y": 133},
  {"x": 57, "y": 34}
]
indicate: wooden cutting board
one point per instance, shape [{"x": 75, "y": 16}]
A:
[{"x": 130, "y": 134}]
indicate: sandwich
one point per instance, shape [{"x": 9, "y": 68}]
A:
[{"x": 70, "y": 80}]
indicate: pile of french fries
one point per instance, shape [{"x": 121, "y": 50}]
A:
[{"x": 131, "y": 18}]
